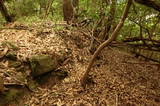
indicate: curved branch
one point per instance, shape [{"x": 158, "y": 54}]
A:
[{"x": 106, "y": 43}]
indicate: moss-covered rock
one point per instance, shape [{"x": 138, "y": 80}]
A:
[
  {"x": 12, "y": 55},
  {"x": 42, "y": 64}
]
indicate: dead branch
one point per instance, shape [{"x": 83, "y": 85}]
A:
[{"x": 140, "y": 39}]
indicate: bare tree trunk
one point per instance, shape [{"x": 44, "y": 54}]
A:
[
  {"x": 106, "y": 23},
  {"x": 48, "y": 7},
  {"x": 110, "y": 19},
  {"x": 4, "y": 12},
  {"x": 68, "y": 11},
  {"x": 43, "y": 4},
  {"x": 76, "y": 8},
  {"x": 106, "y": 43}
]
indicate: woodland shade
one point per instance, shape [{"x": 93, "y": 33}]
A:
[{"x": 155, "y": 4}]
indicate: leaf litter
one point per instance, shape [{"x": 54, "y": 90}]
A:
[{"x": 116, "y": 83}]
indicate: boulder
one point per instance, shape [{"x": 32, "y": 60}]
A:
[{"x": 41, "y": 64}]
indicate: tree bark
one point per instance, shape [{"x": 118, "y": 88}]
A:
[
  {"x": 106, "y": 43},
  {"x": 110, "y": 20},
  {"x": 48, "y": 7},
  {"x": 68, "y": 11},
  {"x": 76, "y": 8},
  {"x": 4, "y": 12},
  {"x": 75, "y": 3}
]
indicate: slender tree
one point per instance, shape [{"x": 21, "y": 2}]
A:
[
  {"x": 106, "y": 43},
  {"x": 76, "y": 8},
  {"x": 68, "y": 10},
  {"x": 4, "y": 12},
  {"x": 110, "y": 19}
]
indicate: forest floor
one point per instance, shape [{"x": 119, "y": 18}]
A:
[{"x": 119, "y": 78}]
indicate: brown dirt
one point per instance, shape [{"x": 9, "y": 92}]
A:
[{"x": 118, "y": 81}]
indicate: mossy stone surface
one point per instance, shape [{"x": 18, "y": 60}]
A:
[
  {"x": 12, "y": 55},
  {"x": 42, "y": 64}
]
